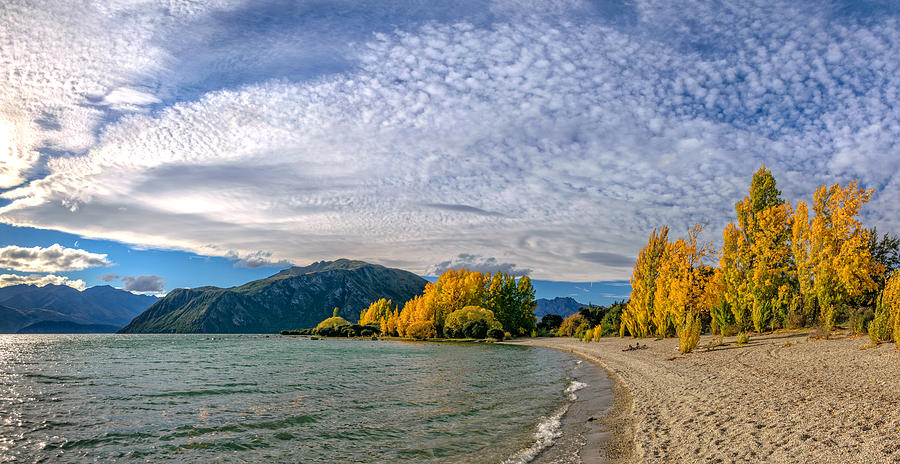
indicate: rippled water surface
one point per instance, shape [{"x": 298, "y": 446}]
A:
[{"x": 76, "y": 398}]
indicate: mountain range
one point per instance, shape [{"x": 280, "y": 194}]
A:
[
  {"x": 102, "y": 308},
  {"x": 298, "y": 297},
  {"x": 564, "y": 306}
]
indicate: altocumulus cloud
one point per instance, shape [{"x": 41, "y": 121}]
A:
[
  {"x": 476, "y": 263},
  {"x": 553, "y": 134},
  {"x": 256, "y": 259},
  {"x": 54, "y": 258}
]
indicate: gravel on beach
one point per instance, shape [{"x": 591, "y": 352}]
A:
[{"x": 781, "y": 398}]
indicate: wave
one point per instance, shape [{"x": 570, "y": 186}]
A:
[
  {"x": 549, "y": 429},
  {"x": 573, "y": 387}
]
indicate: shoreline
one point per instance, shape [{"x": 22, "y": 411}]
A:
[
  {"x": 780, "y": 398},
  {"x": 610, "y": 436}
]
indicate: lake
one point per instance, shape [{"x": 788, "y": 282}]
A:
[{"x": 251, "y": 398}]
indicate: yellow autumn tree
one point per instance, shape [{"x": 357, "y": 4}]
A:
[
  {"x": 682, "y": 291},
  {"x": 511, "y": 302},
  {"x": 638, "y": 312},
  {"x": 804, "y": 299},
  {"x": 379, "y": 312},
  {"x": 734, "y": 267},
  {"x": 887, "y": 316},
  {"x": 771, "y": 276},
  {"x": 841, "y": 261},
  {"x": 755, "y": 261}
]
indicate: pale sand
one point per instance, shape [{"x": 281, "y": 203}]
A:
[{"x": 781, "y": 398}]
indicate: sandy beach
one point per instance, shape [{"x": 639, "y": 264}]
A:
[{"x": 781, "y": 398}]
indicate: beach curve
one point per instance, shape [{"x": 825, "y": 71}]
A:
[{"x": 780, "y": 398}]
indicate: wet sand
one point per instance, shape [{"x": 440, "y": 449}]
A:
[{"x": 780, "y": 398}]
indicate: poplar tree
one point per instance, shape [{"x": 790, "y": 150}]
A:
[
  {"x": 804, "y": 299},
  {"x": 755, "y": 258},
  {"x": 525, "y": 305},
  {"x": 682, "y": 292},
  {"x": 638, "y": 312},
  {"x": 842, "y": 263}
]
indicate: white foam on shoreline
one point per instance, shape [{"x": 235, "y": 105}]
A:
[
  {"x": 575, "y": 386},
  {"x": 549, "y": 429}
]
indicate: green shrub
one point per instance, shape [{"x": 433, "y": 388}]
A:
[
  {"x": 880, "y": 326},
  {"x": 743, "y": 338},
  {"x": 470, "y": 322},
  {"x": 549, "y": 323},
  {"x": 760, "y": 313},
  {"x": 722, "y": 318},
  {"x": 496, "y": 334},
  {"x": 730, "y": 330},
  {"x": 476, "y": 329},
  {"x": 858, "y": 320},
  {"x": 332, "y": 323}
]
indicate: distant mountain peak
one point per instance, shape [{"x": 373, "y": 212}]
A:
[
  {"x": 297, "y": 297},
  {"x": 342, "y": 264},
  {"x": 101, "y": 305},
  {"x": 562, "y": 305}
]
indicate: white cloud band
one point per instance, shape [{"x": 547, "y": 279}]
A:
[
  {"x": 54, "y": 258},
  {"x": 7, "y": 280}
]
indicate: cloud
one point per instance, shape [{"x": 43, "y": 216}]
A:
[
  {"x": 54, "y": 258},
  {"x": 110, "y": 277},
  {"x": 7, "y": 280},
  {"x": 144, "y": 283},
  {"x": 128, "y": 99},
  {"x": 462, "y": 209},
  {"x": 535, "y": 131},
  {"x": 608, "y": 259},
  {"x": 256, "y": 259},
  {"x": 476, "y": 263}
]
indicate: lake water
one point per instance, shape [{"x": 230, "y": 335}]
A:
[{"x": 201, "y": 398}]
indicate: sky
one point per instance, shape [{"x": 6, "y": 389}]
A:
[{"x": 151, "y": 145}]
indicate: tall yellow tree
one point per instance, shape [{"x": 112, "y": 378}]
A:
[
  {"x": 378, "y": 313},
  {"x": 771, "y": 276},
  {"x": 804, "y": 299},
  {"x": 734, "y": 267},
  {"x": 841, "y": 262},
  {"x": 761, "y": 276},
  {"x": 682, "y": 287},
  {"x": 882, "y": 327},
  {"x": 638, "y": 313}
]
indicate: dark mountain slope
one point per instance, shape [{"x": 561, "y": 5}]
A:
[
  {"x": 293, "y": 298},
  {"x": 96, "y": 305},
  {"x": 23, "y": 305},
  {"x": 559, "y": 305}
]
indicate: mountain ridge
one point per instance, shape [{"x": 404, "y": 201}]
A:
[
  {"x": 564, "y": 306},
  {"x": 297, "y": 297},
  {"x": 23, "y": 305}
]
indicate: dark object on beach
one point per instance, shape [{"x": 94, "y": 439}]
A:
[
  {"x": 496, "y": 334},
  {"x": 374, "y": 337},
  {"x": 313, "y": 338},
  {"x": 591, "y": 419},
  {"x": 637, "y": 346}
]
